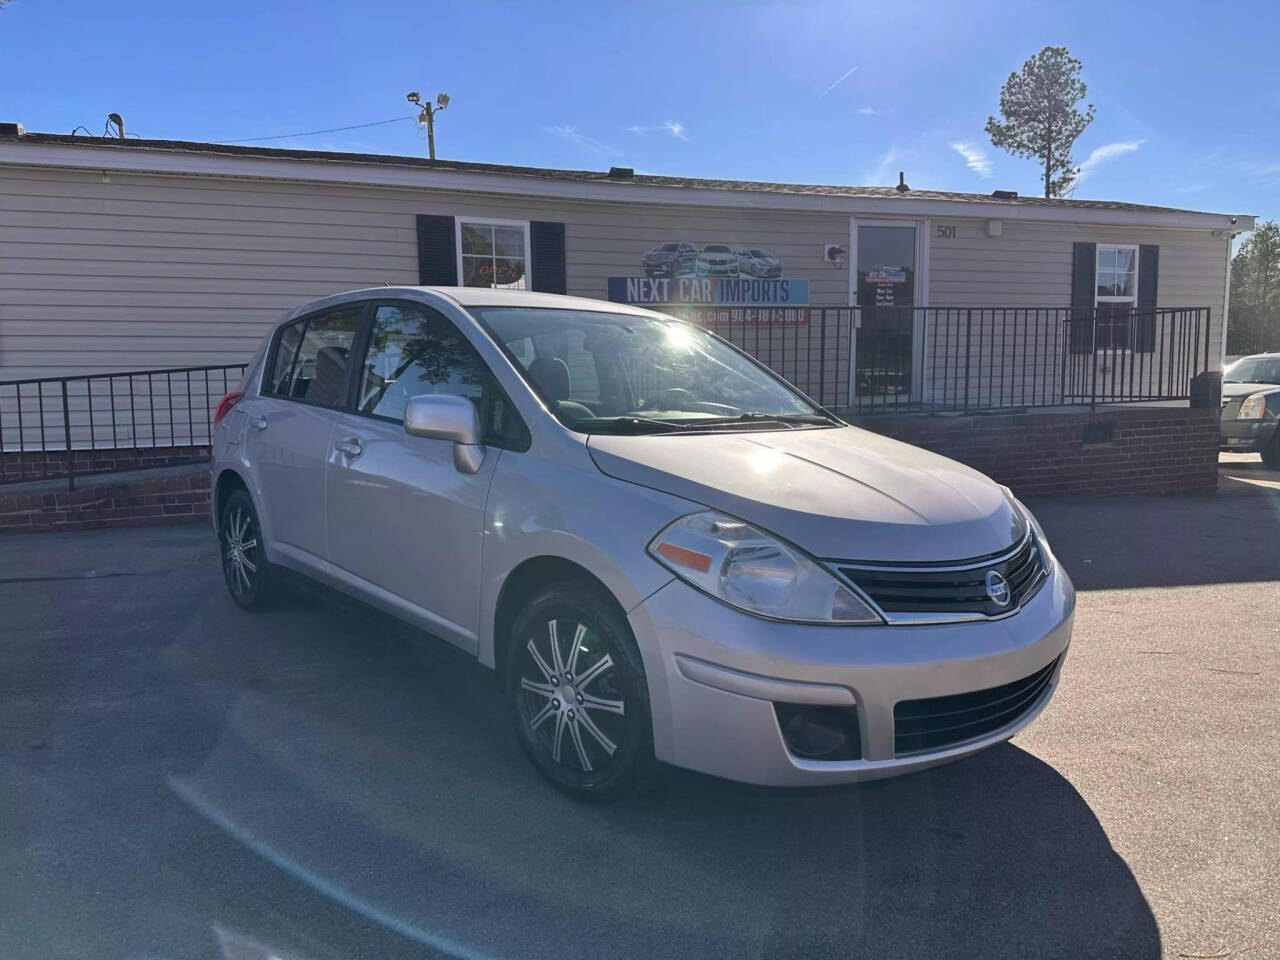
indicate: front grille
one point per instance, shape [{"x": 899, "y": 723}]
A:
[
  {"x": 921, "y": 726},
  {"x": 952, "y": 588}
]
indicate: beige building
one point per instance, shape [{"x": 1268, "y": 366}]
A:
[{"x": 140, "y": 254}]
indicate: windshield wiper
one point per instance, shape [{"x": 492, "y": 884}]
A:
[
  {"x": 629, "y": 424},
  {"x": 755, "y": 416}
]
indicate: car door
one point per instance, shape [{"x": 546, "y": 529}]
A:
[
  {"x": 289, "y": 429},
  {"x": 405, "y": 524}
]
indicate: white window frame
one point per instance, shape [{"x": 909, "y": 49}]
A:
[
  {"x": 494, "y": 222},
  {"x": 1133, "y": 300}
]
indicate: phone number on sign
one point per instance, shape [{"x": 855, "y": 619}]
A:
[{"x": 718, "y": 315}]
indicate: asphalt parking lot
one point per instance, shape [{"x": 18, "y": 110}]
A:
[{"x": 179, "y": 779}]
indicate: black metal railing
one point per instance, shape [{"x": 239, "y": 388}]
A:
[
  {"x": 996, "y": 358},
  {"x": 867, "y": 360},
  {"x": 103, "y": 422}
]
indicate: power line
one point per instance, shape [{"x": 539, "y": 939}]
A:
[{"x": 312, "y": 133}]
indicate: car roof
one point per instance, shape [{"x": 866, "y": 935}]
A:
[{"x": 471, "y": 297}]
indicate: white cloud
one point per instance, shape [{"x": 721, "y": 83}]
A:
[
  {"x": 868, "y": 111},
  {"x": 841, "y": 79},
  {"x": 974, "y": 158},
  {"x": 884, "y": 168},
  {"x": 1106, "y": 152},
  {"x": 673, "y": 127},
  {"x": 565, "y": 132}
]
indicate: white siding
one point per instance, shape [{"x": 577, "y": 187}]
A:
[
  {"x": 149, "y": 271},
  {"x": 1030, "y": 266}
]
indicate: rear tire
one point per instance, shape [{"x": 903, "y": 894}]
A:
[
  {"x": 578, "y": 695},
  {"x": 245, "y": 569}
]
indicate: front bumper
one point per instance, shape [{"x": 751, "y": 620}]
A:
[
  {"x": 715, "y": 674},
  {"x": 705, "y": 269},
  {"x": 1246, "y": 436}
]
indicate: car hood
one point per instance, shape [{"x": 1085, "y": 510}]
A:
[
  {"x": 1230, "y": 390},
  {"x": 840, "y": 493}
]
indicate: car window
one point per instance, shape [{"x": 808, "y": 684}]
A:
[
  {"x": 319, "y": 364},
  {"x": 286, "y": 353},
  {"x": 414, "y": 350},
  {"x": 564, "y": 368}
]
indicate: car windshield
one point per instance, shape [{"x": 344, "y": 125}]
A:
[
  {"x": 759, "y": 253},
  {"x": 715, "y": 248},
  {"x": 616, "y": 373},
  {"x": 1253, "y": 370},
  {"x": 666, "y": 247}
]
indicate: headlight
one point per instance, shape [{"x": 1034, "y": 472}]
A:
[
  {"x": 1253, "y": 407},
  {"x": 755, "y": 572}
]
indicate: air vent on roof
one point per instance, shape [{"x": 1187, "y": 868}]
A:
[
  {"x": 621, "y": 173},
  {"x": 1005, "y": 194},
  {"x": 902, "y": 183},
  {"x": 11, "y": 130}
]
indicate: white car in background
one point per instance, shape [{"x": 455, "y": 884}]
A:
[
  {"x": 717, "y": 260},
  {"x": 755, "y": 262}
]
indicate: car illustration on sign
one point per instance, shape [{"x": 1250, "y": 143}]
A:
[
  {"x": 755, "y": 262},
  {"x": 717, "y": 260},
  {"x": 670, "y": 260}
]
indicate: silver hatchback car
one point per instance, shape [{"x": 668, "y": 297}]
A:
[{"x": 666, "y": 552}]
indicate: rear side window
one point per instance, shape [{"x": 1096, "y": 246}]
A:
[{"x": 318, "y": 353}]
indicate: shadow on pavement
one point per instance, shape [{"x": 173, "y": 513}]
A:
[
  {"x": 1230, "y": 537},
  {"x": 183, "y": 779},
  {"x": 394, "y": 788}
]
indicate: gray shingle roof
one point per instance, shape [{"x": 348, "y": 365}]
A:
[{"x": 586, "y": 176}]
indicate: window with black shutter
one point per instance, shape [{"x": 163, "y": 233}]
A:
[
  {"x": 1083, "y": 291},
  {"x": 1113, "y": 297},
  {"x": 437, "y": 251},
  {"x": 547, "y": 243}
]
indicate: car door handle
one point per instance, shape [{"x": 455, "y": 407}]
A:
[
  {"x": 349, "y": 448},
  {"x": 260, "y": 423}
]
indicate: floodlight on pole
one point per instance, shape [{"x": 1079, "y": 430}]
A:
[{"x": 427, "y": 116}]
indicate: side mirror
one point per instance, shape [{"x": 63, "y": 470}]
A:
[{"x": 440, "y": 416}]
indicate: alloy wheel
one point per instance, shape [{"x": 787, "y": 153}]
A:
[
  {"x": 240, "y": 551},
  {"x": 572, "y": 699}
]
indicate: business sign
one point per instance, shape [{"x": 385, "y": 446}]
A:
[
  {"x": 710, "y": 291},
  {"x": 887, "y": 275},
  {"x": 678, "y": 272}
]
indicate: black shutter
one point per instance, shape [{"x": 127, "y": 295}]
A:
[
  {"x": 547, "y": 257},
  {"x": 1084, "y": 287},
  {"x": 1144, "y": 340},
  {"x": 437, "y": 251}
]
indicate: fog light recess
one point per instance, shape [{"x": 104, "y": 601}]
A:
[{"x": 820, "y": 733}]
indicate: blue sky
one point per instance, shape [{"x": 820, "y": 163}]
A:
[{"x": 1187, "y": 95}]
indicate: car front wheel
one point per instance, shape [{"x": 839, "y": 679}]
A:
[
  {"x": 578, "y": 693},
  {"x": 1271, "y": 453}
]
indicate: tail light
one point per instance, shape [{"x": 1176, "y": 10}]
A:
[{"x": 224, "y": 406}]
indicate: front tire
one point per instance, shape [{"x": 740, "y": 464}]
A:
[
  {"x": 1271, "y": 453},
  {"x": 578, "y": 695},
  {"x": 244, "y": 561}
]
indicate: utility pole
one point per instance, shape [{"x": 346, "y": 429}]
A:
[{"x": 428, "y": 116}]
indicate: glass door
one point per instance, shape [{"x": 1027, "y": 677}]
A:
[{"x": 885, "y": 284}]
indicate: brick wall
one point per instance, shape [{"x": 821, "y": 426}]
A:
[
  {"x": 1149, "y": 450},
  {"x": 144, "y": 501},
  {"x": 35, "y": 466},
  {"x": 1127, "y": 450}
]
